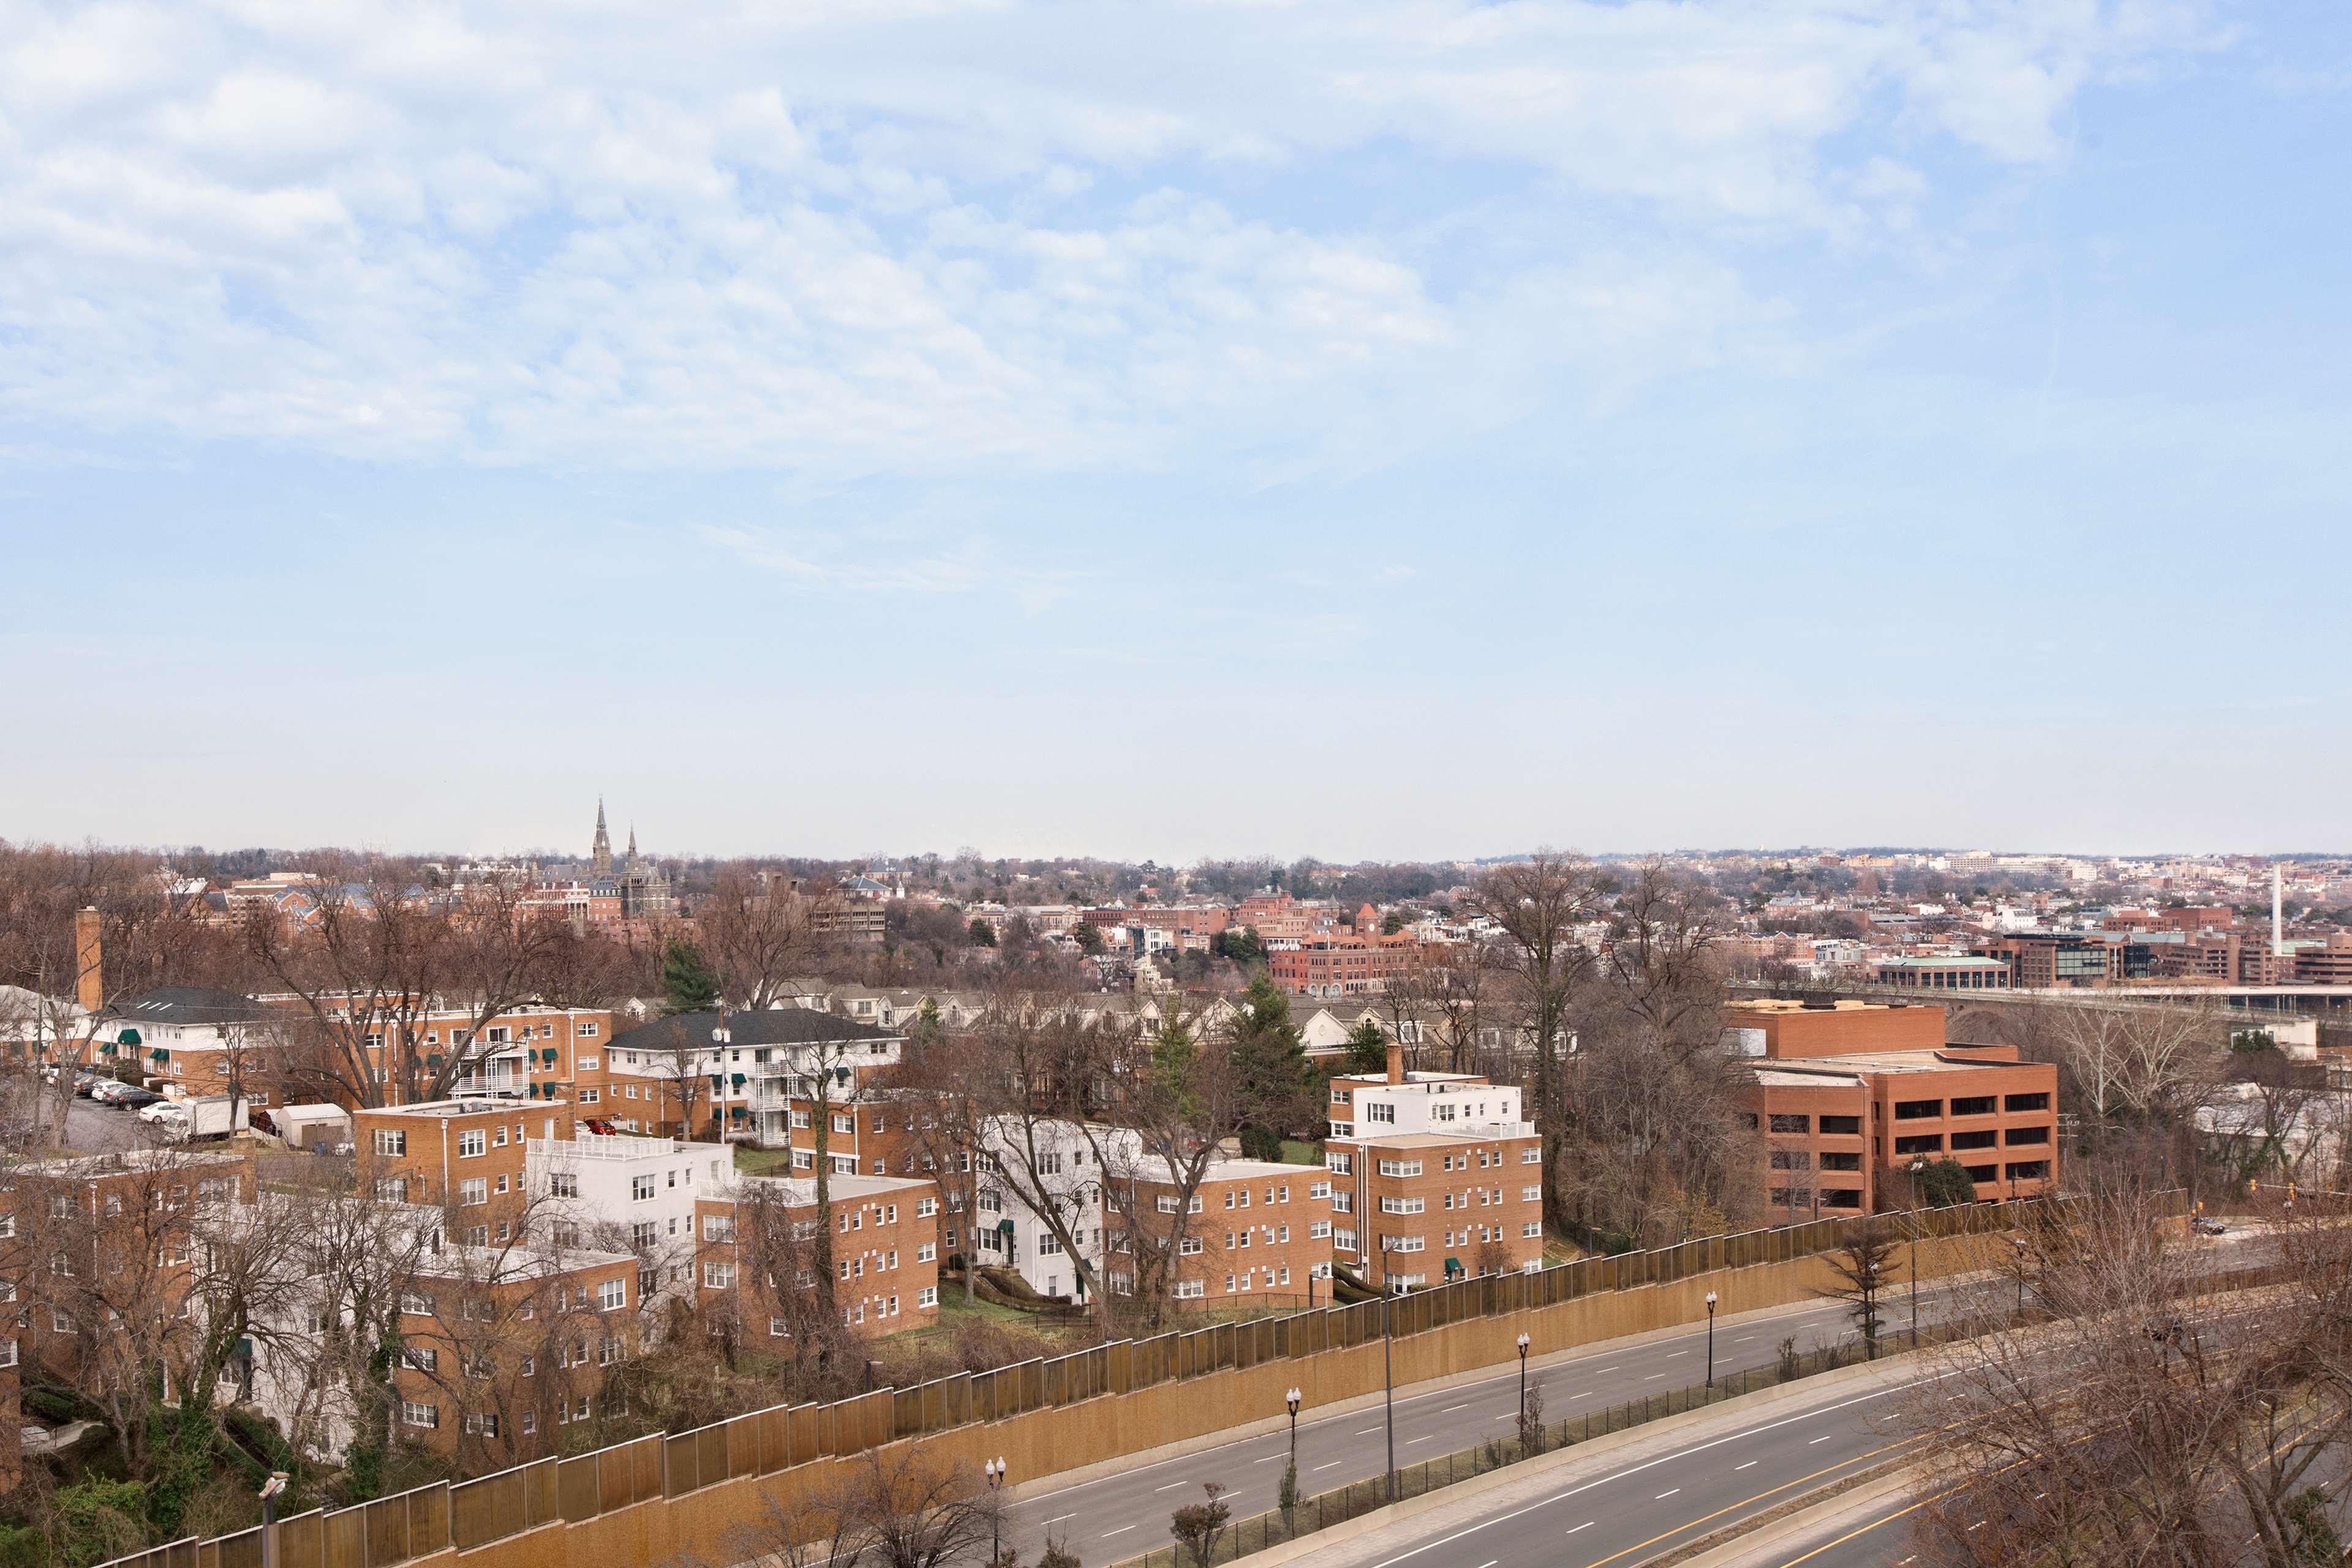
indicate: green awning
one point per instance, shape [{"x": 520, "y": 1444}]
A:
[
  {"x": 158, "y": 1055},
  {"x": 127, "y": 1036},
  {"x": 841, "y": 1073},
  {"x": 434, "y": 1060},
  {"x": 736, "y": 1112},
  {"x": 1005, "y": 1226},
  {"x": 739, "y": 1080},
  {"x": 106, "y": 1048},
  {"x": 1454, "y": 1265},
  {"x": 717, "y": 1080}
]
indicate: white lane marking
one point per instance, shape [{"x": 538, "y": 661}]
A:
[
  {"x": 1823, "y": 1438},
  {"x": 1332, "y": 1466},
  {"x": 1574, "y": 1528},
  {"x": 1743, "y": 1339},
  {"x": 1671, "y": 1354},
  {"x": 1652, "y": 1464},
  {"x": 1653, "y": 1377},
  {"x": 1452, "y": 1408},
  {"x": 1171, "y": 1485},
  {"x": 1580, "y": 1393},
  {"x": 1409, "y": 1442},
  {"x": 1367, "y": 1432},
  {"x": 1059, "y": 1517},
  {"x": 1505, "y": 1415},
  {"x": 1736, "y": 1468},
  {"x": 1269, "y": 1460},
  {"x": 1664, "y": 1495},
  {"x": 1107, "y": 1534},
  {"x": 1506, "y": 1377}
]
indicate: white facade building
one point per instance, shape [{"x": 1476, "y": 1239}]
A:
[{"x": 634, "y": 1195}]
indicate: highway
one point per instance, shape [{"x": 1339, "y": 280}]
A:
[
  {"x": 1125, "y": 1514},
  {"x": 1632, "y": 1504}
]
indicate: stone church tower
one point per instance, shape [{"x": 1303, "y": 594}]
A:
[{"x": 600, "y": 855}]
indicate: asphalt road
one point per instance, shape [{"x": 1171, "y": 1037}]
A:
[
  {"x": 1123, "y": 1515},
  {"x": 1126, "y": 1514},
  {"x": 1624, "y": 1509}
]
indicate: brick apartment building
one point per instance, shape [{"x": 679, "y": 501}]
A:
[
  {"x": 1849, "y": 1096},
  {"x": 886, "y": 1253},
  {"x": 466, "y": 1157},
  {"x": 90, "y": 1242},
  {"x": 1433, "y": 1176},
  {"x": 1253, "y": 1228},
  {"x": 751, "y": 1074},
  {"x": 504, "y": 1347},
  {"x": 1342, "y": 963}
]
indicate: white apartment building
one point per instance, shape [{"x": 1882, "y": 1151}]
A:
[
  {"x": 1008, "y": 1233},
  {"x": 633, "y": 1194}
]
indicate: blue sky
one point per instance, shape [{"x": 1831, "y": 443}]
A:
[{"x": 1371, "y": 429}]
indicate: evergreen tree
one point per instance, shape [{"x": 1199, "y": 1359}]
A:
[
  {"x": 1942, "y": 1183},
  {"x": 1270, "y": 1060},
  {"x": 687, "y": 980},
  {"x": 983, "y": 934},
  {"x": 1367, "y": 1048}
]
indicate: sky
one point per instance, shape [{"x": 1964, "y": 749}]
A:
[{"x": 1368, "y": 429}]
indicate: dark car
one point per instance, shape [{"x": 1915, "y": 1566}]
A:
[
  {"x": 133, "y": 1098},
  {"x": 84, "y": 1084}
]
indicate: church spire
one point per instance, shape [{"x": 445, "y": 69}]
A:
[{"x": 600, "y": 855}]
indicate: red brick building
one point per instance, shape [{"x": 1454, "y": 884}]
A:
[{"x": 1850, "y": 1097}]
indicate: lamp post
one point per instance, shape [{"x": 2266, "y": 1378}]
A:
[
  {"x": 1917, "y": 1166},
  {"x": 1387, "y": 1361},
  {"x": 1292, "y": 1399},
  {"x": 269, "y": 1490},
  {"x": 1710, "y": 1338},
  {"x": 2018, "y": 1242},
  {"x": 995, "y": 1469},
  {"x": 1523, "y": 1378}
]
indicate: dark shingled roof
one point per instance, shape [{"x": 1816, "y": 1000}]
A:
[
  {"x": 189, "y": 1004},
  {"x": 766, "y": 1027}
]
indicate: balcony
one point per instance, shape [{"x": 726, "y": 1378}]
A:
[{"x": 591, "y": 1147}]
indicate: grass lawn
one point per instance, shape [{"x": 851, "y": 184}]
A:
[
  {"x": 763, "y": 1161},
  {"x": 1558, "y": 1248},
  {"x": 1295, "y": 1153}
]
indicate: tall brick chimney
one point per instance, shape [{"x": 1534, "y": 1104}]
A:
[
  {"x": 1396, "y": 1064},
  {"x": 89, "y": 988}
]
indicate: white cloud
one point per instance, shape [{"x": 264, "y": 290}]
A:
[{"x": 864, "y": 235}]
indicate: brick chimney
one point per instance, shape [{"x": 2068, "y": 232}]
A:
[
  {"x": 89, "y": 988},
  {"x": 1396, "y": 1064}
]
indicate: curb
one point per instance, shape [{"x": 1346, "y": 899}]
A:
[{"x": 1857, "y": 1497}]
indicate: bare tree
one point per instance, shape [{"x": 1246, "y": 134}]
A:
[
  {"x": 382, "y": 956},
  {"x": 916, "y": 1511},
  {"x": 1863, "y": 1268},
  {"x": 2151, "y": 1418},
  {"x": 1537, "y": 904},
  {"x": 760, "y": 928},
  {"x": 942, "y": 1087}
]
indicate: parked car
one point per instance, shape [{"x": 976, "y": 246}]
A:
[
  {"x": 2210, "y": 1227},
  {"x": 167, "y": 1112},
  {"x": 106, "y": 1088},
  {"x": 135, "y": 1099}
]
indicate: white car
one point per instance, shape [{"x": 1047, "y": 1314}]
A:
[
  {"x": 166, "y": 1113},
  {"x": 106, "y": 1088}
]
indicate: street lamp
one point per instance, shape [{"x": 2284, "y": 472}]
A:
[
  {"x": 1387, "y": 1361},
  {"x": 995, "y": 1469},
  {"x": 1710, "y": 1338},
  {"x": 1523, "y": 1377},
  {"x": 1917, "y": 1166},
  {"x": 1291, "y": 1399},
  {"x": 2019, "y": 1243},
  {"x": 270, "y": 1489}
]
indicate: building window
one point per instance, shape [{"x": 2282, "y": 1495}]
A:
[
  {"x": 641, "y": 1188},
  {"x": 412, "y": 1414},
  {"x": 473, "y": 1145},
  {"x": 1784, "y": 1121},
  {"x": 928, "y": 1296},
  {"x": 474, "y": 1190},
  {"x": 391, "y": 1141},
  {"x": 483, "y": 1424},
  {"x": 416, "y": 1304}
]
